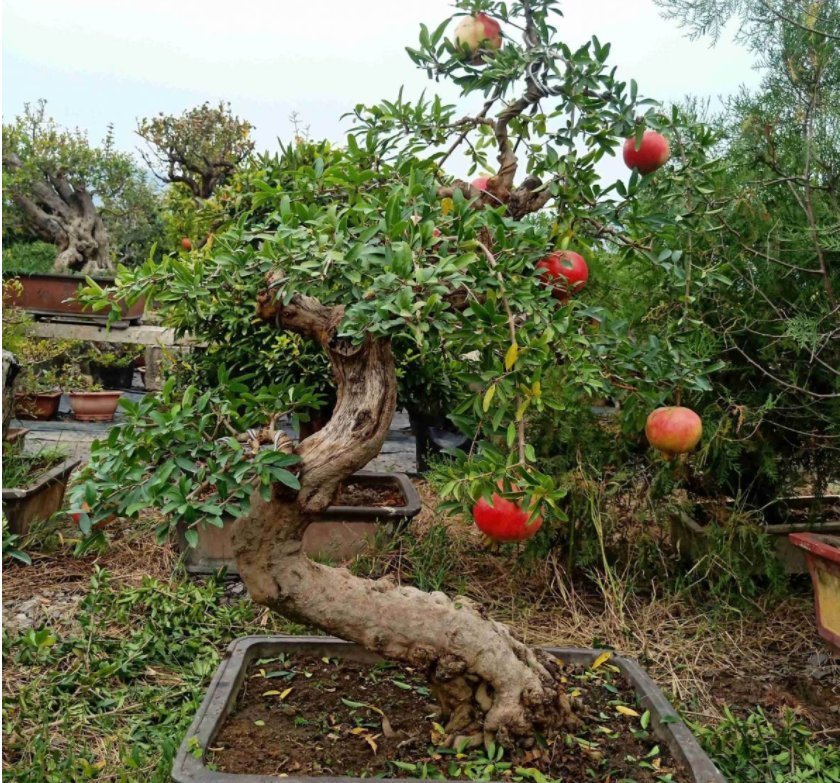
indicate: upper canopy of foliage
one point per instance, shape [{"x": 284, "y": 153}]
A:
[{"x": 378, "y": 228}]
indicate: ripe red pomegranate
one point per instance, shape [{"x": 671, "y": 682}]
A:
[
  {"x": 565, "y": 271},
  {"x": 186, "y": 244},
  {"x": 651, "y": 154},
  {"x": 480, "y": 183},
  {"x": 673, "y": 430},
  {"x": 504, "y": 520}
]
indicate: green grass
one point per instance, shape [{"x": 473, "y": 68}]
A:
[
  {"x": 114, "y": 699},
  {"x": 20, "y": 469},
  {"x": 111, "y": 698},
  {"x": 756, "y": 749}
]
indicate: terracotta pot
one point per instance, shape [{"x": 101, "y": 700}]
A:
[
  {"x": 37, "y": 406},
  {"x": 49, "y": 294},
  {"x": 94, "y": 406}
]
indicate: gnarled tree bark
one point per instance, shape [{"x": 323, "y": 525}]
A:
[
  {"x": 488, "y": 683},
  {"x": 62, "y": 213}
]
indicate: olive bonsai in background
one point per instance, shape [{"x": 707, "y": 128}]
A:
[
  {"x": 363, "y": 249},
  {"x": 91, "y": 202}
]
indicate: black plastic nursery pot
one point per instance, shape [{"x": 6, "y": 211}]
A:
[
  {"x": 819, "y": 514},
  {"x": 339, "y": 533},
  {"x": 190, "y": 763},
  {"x": 432, "y": 434},
  {"x": 113, "y": 377},
  {"x": 38, "y": 501}
]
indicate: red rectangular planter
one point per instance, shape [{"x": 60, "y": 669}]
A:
[
  {"x": 48, "y": 295},
  {"x": 822, "y": 553}
]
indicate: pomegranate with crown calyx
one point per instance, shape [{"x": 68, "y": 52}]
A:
[{"x": 505, "y": 520}]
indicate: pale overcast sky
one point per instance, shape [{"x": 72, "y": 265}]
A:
[{"x": 101, "y": 61}]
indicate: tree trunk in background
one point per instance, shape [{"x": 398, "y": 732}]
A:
[
  {"x": 489, "y": 684},
  {"x": 57, "y": 211}
]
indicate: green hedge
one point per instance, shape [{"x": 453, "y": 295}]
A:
[{"x": 29, "y": 257}]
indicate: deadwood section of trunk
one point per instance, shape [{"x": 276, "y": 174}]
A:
[{"x": 487, "y": 682}]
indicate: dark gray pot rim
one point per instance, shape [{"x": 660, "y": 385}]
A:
[
  {"x": 410, "y": 508},
  {"x": 60, "y": 472},
  {"x": 224, "y": 687},
  {"x": 57, "y": 276}
]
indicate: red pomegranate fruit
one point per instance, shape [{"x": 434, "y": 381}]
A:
[
  {"x": 652, "y": 153},
  {"x": 504, "y": 520},
  {"x": 673, "y": 430},
  {"x": 565, "y": 271}
]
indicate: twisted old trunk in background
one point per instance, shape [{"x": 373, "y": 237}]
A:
[
  {"x": 64, "y": 214},
  {"x": 487, "y": 682}
]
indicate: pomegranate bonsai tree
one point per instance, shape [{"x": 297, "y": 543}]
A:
[{"x": 373, "y": 248}]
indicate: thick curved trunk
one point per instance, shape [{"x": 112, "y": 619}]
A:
[
  {"x": 84, "y": 247},
  {"x": 487, "y": 682},
  {"x": 59, "y": 212}
]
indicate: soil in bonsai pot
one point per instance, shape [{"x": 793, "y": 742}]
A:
[
  {"x": 355, "y": 493},
  {"x": 301, "y": 715}
]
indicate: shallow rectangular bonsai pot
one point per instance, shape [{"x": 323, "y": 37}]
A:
[
  {"x": 38, "y": 501},
  {"x": 339, "y": 534},
  {"x": 690, "y": 536},
  {"x": 822, "y": 553},
  {"x": 54, "y": 296},
  {"x": 190, "y": 766}
]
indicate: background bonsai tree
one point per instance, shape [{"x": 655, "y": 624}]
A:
[
  {"x": 90, "y": 202},
  {"x": 199, "y": 150},
  {"x": 373, "y": 246}
]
